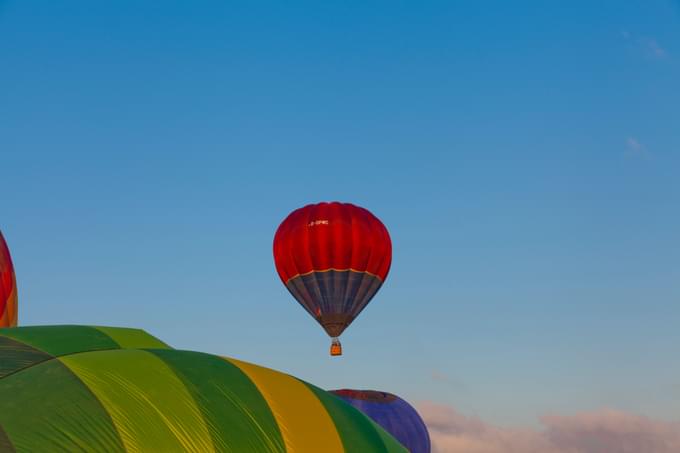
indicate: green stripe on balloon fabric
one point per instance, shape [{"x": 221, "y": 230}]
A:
[
  {"x": 132, "y": 338},
  {"x": 358, "y": 432},
  {"x": 61, "y": 340},
  {"x": 46, "y": 408},
  {"x": 390, "y": 442},
  {"x": 238, "y": 416},
  {"x": 15, "y": 356},
  {"x": 149, "y": 404}
]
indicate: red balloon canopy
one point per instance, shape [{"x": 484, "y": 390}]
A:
[
  {"x": 333, "y": 258},
  {"x": 8, "y": 287}
]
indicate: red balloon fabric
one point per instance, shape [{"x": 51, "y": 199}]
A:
[
  {"x": 8, "y": 287},
  {"x": 333, "y": 258}
]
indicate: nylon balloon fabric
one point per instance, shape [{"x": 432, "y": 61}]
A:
[
  {"x": 8, "y": 288},
  {"x": 392, "y": 413},
  {"x": 333, "y": 258},
  {"x": 107, "y": 389}
]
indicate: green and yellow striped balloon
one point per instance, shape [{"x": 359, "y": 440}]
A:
[{"x": 104, "y": 389}]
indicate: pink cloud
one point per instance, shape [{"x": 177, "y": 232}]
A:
[
  {"x": 609, "y": 430},
  {"x": 604, "y": 431}
]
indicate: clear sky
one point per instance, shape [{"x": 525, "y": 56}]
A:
[{"x": 524, "y": 156}]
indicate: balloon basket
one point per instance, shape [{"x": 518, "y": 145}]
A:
[{"x": 336, "y": 347}]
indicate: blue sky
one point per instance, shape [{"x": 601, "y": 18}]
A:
[{"x": 524, "y": 157}]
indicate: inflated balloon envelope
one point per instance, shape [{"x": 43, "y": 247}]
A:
[
  {"x": 333, "y": 258},
  {"x": 394, "y": 414},
  {"x": 105, "y": 389}
]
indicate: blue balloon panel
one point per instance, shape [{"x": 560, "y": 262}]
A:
[{"x": 394, "y": 414}]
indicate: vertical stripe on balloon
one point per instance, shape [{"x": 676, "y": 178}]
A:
[
  {"x": 302, "y": 419},
  {"x": 129, "y": 381}
]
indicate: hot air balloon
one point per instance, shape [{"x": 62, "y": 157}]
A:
[
  {"x": 333, "y": 258},
  {"x": 394, "y": 414},
  {"x": 108, "y": 389},
  {"x": 8, "y": 287}
]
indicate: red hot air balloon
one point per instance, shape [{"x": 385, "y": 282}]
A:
[
  {"x": 8, "y": 288},
  {"x": 333, "y": 258}
]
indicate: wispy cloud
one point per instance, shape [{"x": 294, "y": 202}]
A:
[
  {"x": 442, "y": 379},
  {"x": 653, "y": 48},
  {"x": 588, "y": 432},
  {"x": 634, "y": 148},
  {"x": 649, "y": 46}
]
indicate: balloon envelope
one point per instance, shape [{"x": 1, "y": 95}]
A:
[
  {"x": 333, "y": 258},
  {"x": 8, "y": 287},
  {"x": 394, "y": 414},
  {"x": 106, "y": 389}
]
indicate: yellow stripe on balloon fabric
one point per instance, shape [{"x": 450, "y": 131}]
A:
[
  {"x": 149, "y": 405},
  {"x": 302, "y": 419}
]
